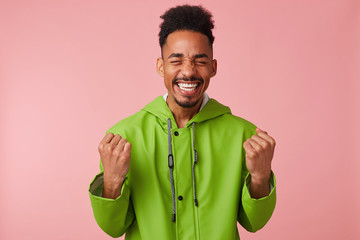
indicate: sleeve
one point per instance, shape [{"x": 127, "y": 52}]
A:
[
  {"x": 255, "y": 213},
  {"x": 114, "y": 216}
]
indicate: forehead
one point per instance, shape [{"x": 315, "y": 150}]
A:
[{"x": 189, "y": 43}]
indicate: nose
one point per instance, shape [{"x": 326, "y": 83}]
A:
[{"x": 188, "y": 69}]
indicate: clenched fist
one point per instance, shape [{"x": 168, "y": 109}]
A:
[
  {"x": 115, "y": 158},
  {"x": 259, "y": 153}
]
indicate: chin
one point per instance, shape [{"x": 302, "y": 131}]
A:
[{"x": 187, "y": 104}]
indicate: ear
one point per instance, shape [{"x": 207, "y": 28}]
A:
[
  {"x": 160, "y": 66},
  {"x": 214, "y": 67}
]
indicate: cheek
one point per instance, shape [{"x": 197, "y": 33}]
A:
[
  {"x": 170, "y": 74},
  {"x": 166, "y": 82},
  {"x": 206, "y": 74},
  {"x": 168, "y": 78},
  {"x": 206, "y": 85}
]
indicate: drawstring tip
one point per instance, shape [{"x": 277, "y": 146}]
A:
[
  {"x": 173, "y": 217},
  {"x": 196, "y": 202}
]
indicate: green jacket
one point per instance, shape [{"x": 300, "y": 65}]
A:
[{"x": 166, "y": 195}]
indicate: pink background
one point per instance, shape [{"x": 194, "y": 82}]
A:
[{"x": 71, "y": 69}]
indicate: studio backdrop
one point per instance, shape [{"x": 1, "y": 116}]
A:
[{"x": 69, "y": 70}]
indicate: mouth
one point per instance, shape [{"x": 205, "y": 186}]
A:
[{"x": 188, "y": 88}]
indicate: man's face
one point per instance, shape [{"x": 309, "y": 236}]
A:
[{"x": 187, "y": 67}]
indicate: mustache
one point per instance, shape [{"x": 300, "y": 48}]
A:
[{"x": 188, "y": 79}]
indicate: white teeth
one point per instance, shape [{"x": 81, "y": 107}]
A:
[{"x": 187, "y": 86}]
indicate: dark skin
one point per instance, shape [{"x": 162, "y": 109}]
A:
[
  {"x": 186, "y": 54},
  {"x": 187, "y": 57}
]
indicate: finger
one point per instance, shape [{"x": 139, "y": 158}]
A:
[
  {"x": 254, "y": 144},
  {"x": 248, "y": 147},
  {"x": 121, "y": 144},
  {"x": 127, "y": 148},
  {"x": 258, "y": 130},
  {"x": 107, "y": 138},
  {"x": 115, "y": 140},
  {"x": 267, "y": 137},
  {"x": 249, "y": 150},
  {"x": 260, "y": 141}
]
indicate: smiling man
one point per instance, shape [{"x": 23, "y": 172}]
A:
[
  {"x": 187, "y": 65},
  {"x": 184, "y": 167}
]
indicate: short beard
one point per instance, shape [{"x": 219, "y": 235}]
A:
[{"x": 187, "y": 104}]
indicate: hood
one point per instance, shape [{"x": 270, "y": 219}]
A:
[{"x": 160, "y": 109}]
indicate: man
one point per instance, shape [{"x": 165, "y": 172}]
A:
[{"x": 184, "y": 167}]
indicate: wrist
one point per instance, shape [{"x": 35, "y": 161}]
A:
[
  {"x": 112, "y": 187},
  {"x": 259, "y": 186},
  {"x": 260, "y": 178},
  {"x": 259, "y": 181},
  {"x": 111, "y": 180}
]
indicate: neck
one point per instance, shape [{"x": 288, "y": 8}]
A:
[{"x": 182, "y": 115}]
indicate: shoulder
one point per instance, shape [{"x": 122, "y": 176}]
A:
[
  {"x": 239, "y": 124},
  {"x": 230, "y": 120},
  {"x": 239, "y": 121},
  {"x": 127, "y": 124}
]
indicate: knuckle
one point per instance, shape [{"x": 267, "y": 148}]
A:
[
  {"x": 116, "y": 152},
  {"x": 101, "y": 147},
  {"x": 258, "y": 147},
  {"x": 108, "y": 148},
  {"x": 125, "y": 157}
]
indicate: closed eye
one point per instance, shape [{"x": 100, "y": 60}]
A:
[{"x": 176, "y": 62}]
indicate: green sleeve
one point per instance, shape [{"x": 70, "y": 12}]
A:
[
  {"x": 114, "y": 216},
  {"x": 255, "y": 213}
]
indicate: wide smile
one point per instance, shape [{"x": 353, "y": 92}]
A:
[{"x": 187, "y": 88}]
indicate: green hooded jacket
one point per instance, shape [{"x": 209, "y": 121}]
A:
[{"x": 183, "y": 183}]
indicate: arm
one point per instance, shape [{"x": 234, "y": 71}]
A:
[
  {"x": 114, "y": 216},
  {"x": 255, "y": 213},
  {"x": 109, "y": 191},
  {"x": 259, "y": 187}
]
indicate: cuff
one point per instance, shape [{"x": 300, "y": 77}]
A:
[
  {"x": 255, "y": 213},
  {"x": 271, "y": 185},
  {"x": 97, "y": 185}
]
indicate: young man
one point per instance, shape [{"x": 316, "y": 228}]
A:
[{"x": 184, "y": 167}]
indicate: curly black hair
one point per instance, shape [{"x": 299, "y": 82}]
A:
[{"x": 186, "y": 17}]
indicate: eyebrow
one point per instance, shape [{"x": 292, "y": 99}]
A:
[{"x": 179, "y": 55}]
